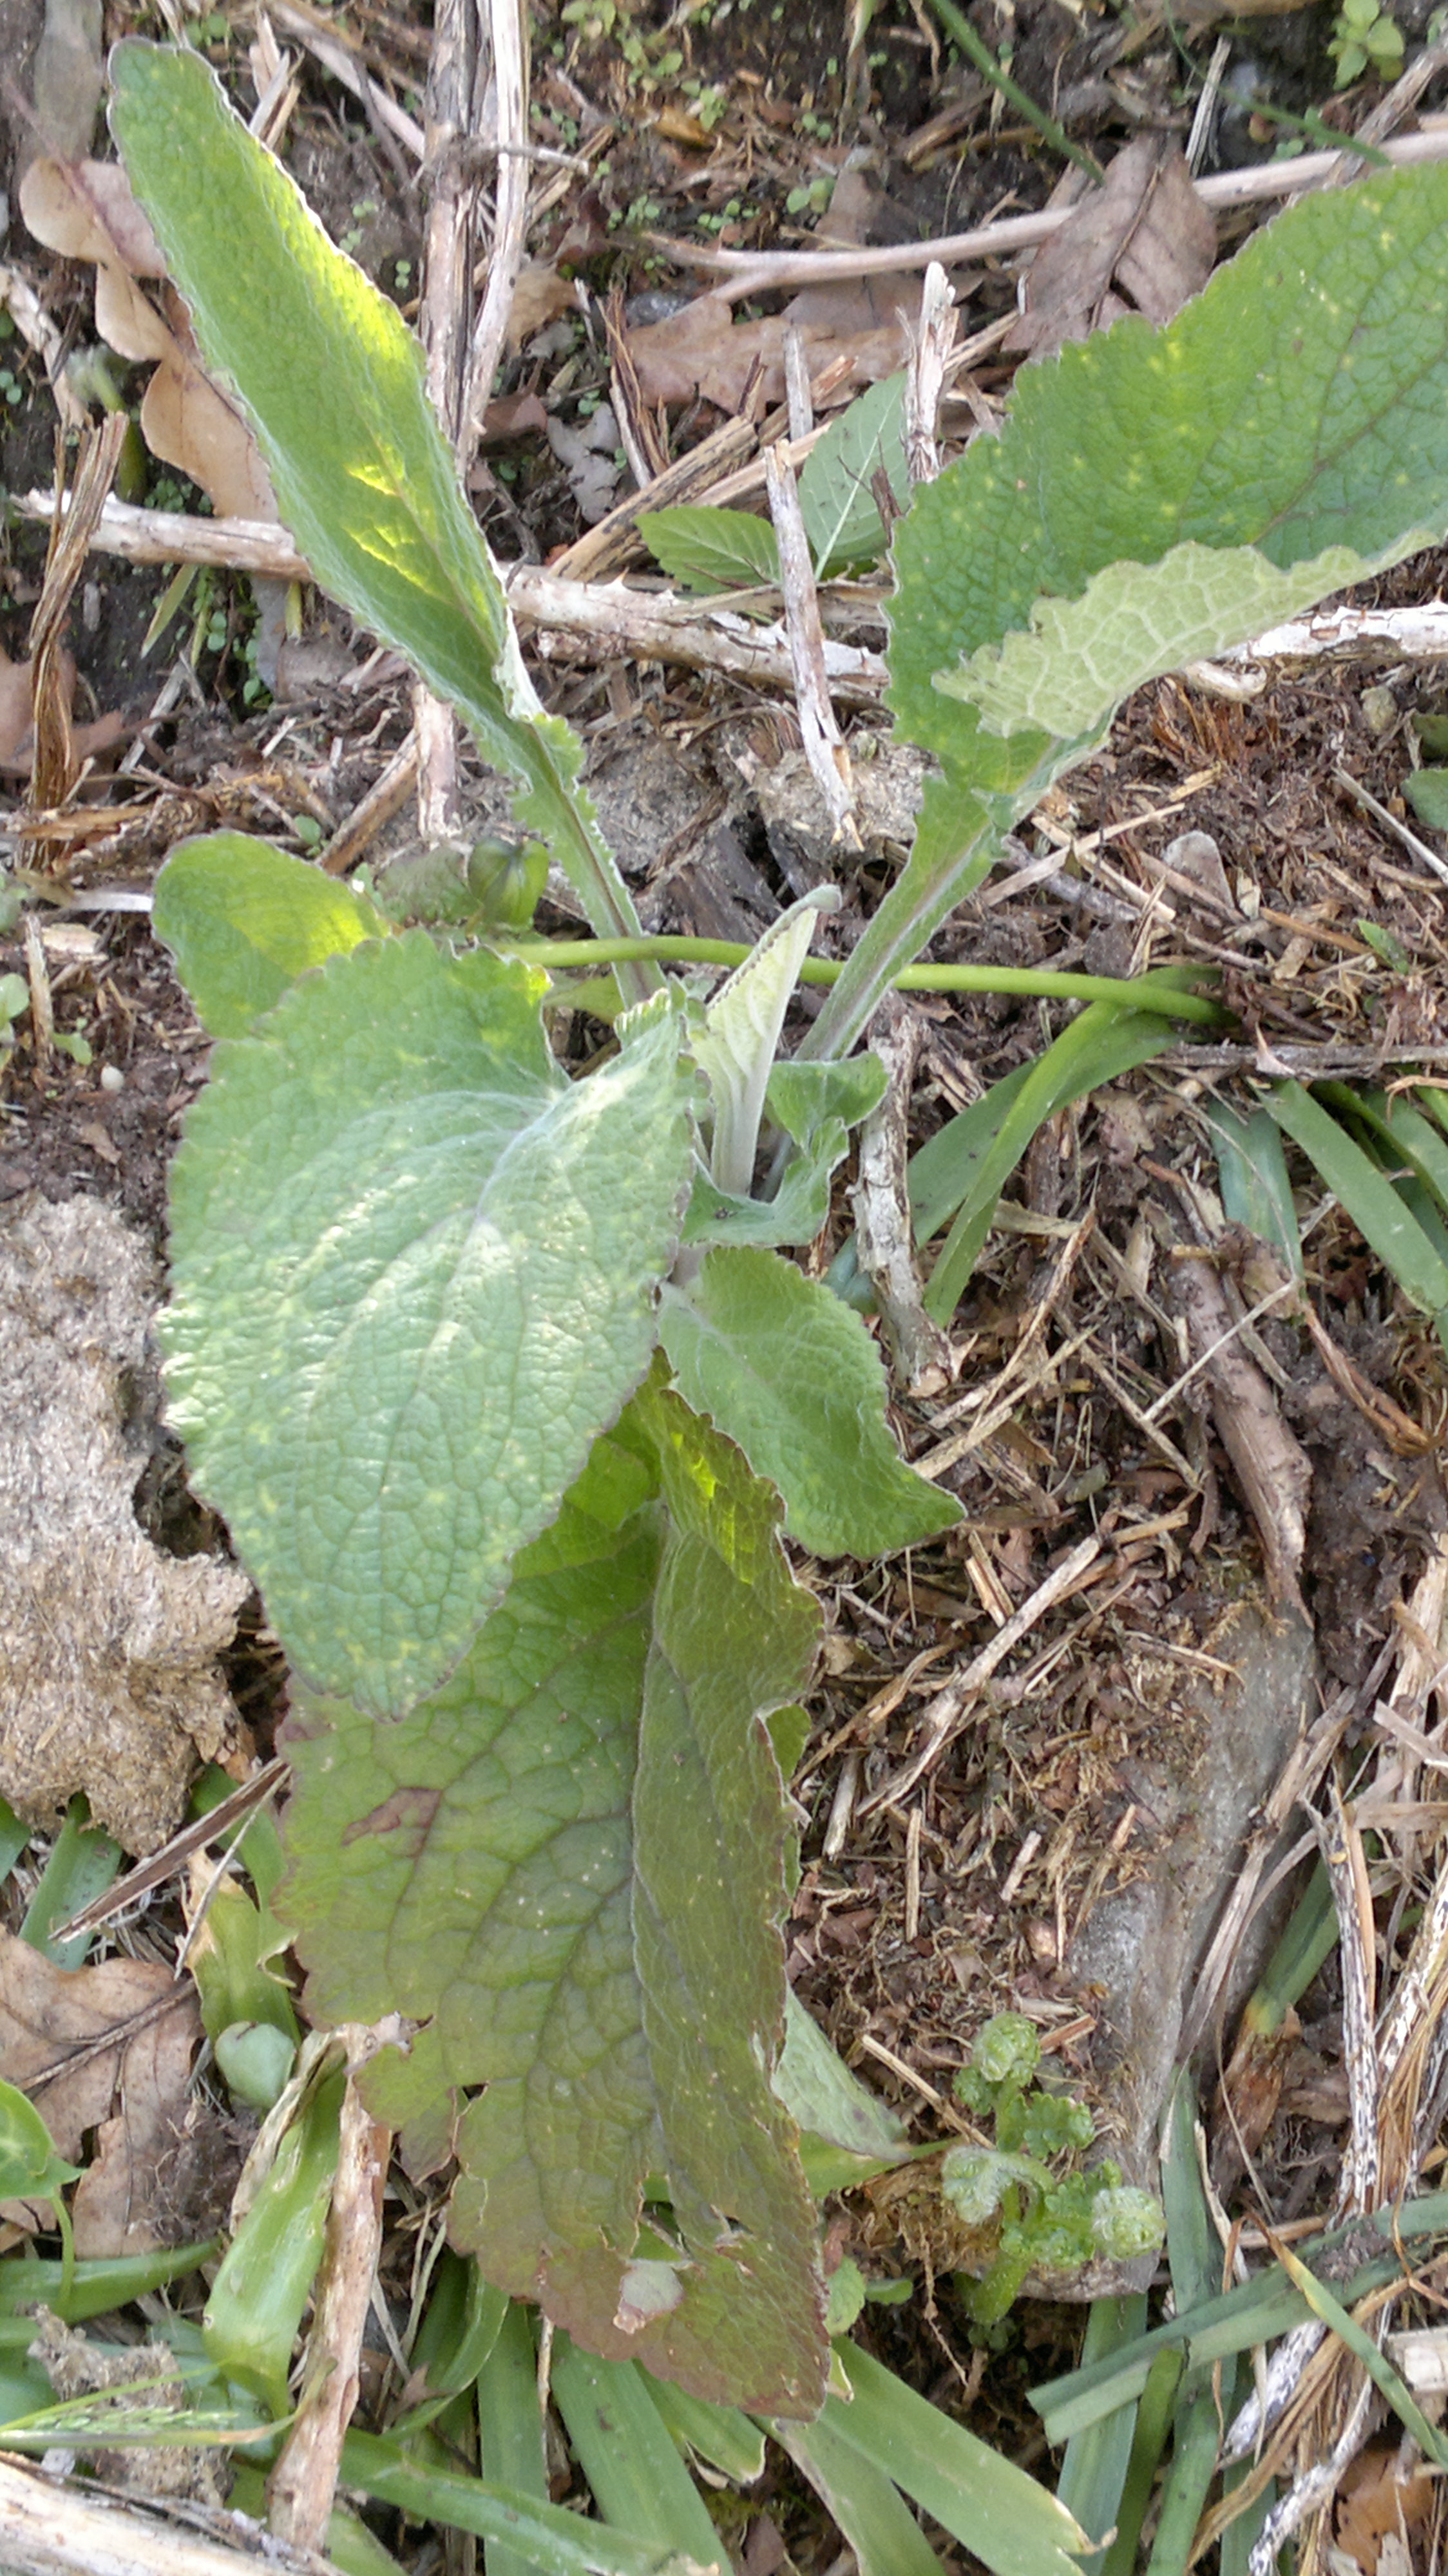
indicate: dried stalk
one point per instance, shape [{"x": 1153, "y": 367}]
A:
[
  {"x": 824, "y": 746},
  {"x": 302, "y": 2487},
  {"x": 51, "y": 2530},
  {"x": 931, "y": 343},
  {"x": 742, "y": 273},
  {"x": 452, "y": 113},
  {"x": 508, "y": 100}
]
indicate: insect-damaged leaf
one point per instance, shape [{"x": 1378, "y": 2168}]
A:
[
  {"x": 382, "y": 1190},
  {"x": 568, "y": 1868}
]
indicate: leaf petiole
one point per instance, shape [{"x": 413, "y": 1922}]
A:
[{"x": 1138, "y": 993}]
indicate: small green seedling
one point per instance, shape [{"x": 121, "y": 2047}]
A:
[
  {"x": 1365, "y": 38},
  {"x": 14, "y": 1003},
  {"x": 30, "y": 2169},
  {"x": 1054, "y": 2215}
]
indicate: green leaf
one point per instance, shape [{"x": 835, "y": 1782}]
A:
[
  {"x": 1068, "y": 670},
  {"x": 1368, "y": 1196},
  {"x": 986, "y": 2502},
  {"x": 265, "y": 2277},
  {"x": 1300, "y": 403},
  {"x": 1407, "y": 1136},
  {"x": 816, "y": 1104},
  {"x": 82, "y": 1863},
  {"x": 976, "y": 1154},
  {"x": 792, "y": 1375},
  {"x": 94, "y": 2287},
  {"x": 712, "y": 549},
  {"x": 873, "y": 2517},
  {"x": 836, "y": 499},
  {"x": 332, "y": 381},
  {"x": 380, "y": 1194},
  {"x": 30, "y": 2168},
  {"x": 847, "y": 2132},
  {"x": 568, "y": 1868},
  {"x": 719, "y": 2434},
  {"x": 740, "y": 1032},
  {"x": 1427, "y": 792},
  {"x": 544, "y": 2539},
  {"x": 243, "y": 920},
  {"x": 639, "y": 2482},
  {"x": 810, "y": 1099},
  {"x": 1252, "y": 1171}
]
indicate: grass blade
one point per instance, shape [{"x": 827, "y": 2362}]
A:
[
  {"x": 83, "y": 1863},
  {"x": 1098, "y": 1047},
  {"x": 631, "y": 2462},
  {"x": 1252, "y": 1170},
  {"x": 987, "y": 2503},
  {"x": 1431, "y": 2442},
  {"x": 1369, "y": 1198},
  {"x": 1154, "y": 2421},
  {"x": 719, "y": 2434},
  {"x": 1093, "y": 2472},
  {"x": 1234, "y": 2322},
  {"x": 869, "y": 2508},
  {"x": 547, "y": 2540},
  {"x": 510, "y": 2428}
]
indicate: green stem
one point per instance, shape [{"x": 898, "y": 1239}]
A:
[
  {"x": 1129, "y": 993},
  {"x": 984, "y": 60}
]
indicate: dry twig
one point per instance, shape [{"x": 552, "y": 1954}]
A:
[{"x": 824, "y": 746}]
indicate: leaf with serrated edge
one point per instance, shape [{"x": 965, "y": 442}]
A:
[
  {"x": 791, "y": 1374},
  {"x": 1069, "y": 670},
  {"x": 712, "y": 549},
  {"x": 1300, "y": 402},
  {"x": 380, "y": 1194},
  {"x": 243, "y": 920},
  {"x": 499, "y": 1867},
  {"x": 363, "y": 477},
  {"x": 836, "y": 499}
]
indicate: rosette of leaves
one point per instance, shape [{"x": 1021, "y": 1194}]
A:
[{"x": 1048, "y": 2212}]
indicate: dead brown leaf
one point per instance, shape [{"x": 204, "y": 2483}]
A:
[
  {"x": 703, "y": 352},
  {"x": 539, "y": 296},
  {"x": 1384, "y": 2498},
  {"x": 85, "y": 210},
  {"x": 108, "y": 1675},
  {"x": 108, "y": 2051},
  {"x": 1142, "y": 241},
  {"x": 17, "y": 710}
]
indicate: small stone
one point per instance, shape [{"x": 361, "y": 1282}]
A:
[
  {"x": 112, "y": 1078},
  {"x": 1379, "y": 711}
]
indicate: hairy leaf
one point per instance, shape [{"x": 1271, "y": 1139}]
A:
[
  {"x": 1300, "y": 403},
  {"x": 332, "y": 380},
  {"x": 816, "y": 1105},
  {"x": 740, "y": 1032},
  {"x": 567, "y": 1867},
  {"x": 792, "y": 1375},
  {"x": 1069, "y": 669},
  {"x": 414, "y": 1271},
  {"x": 243, "y": 920}
]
